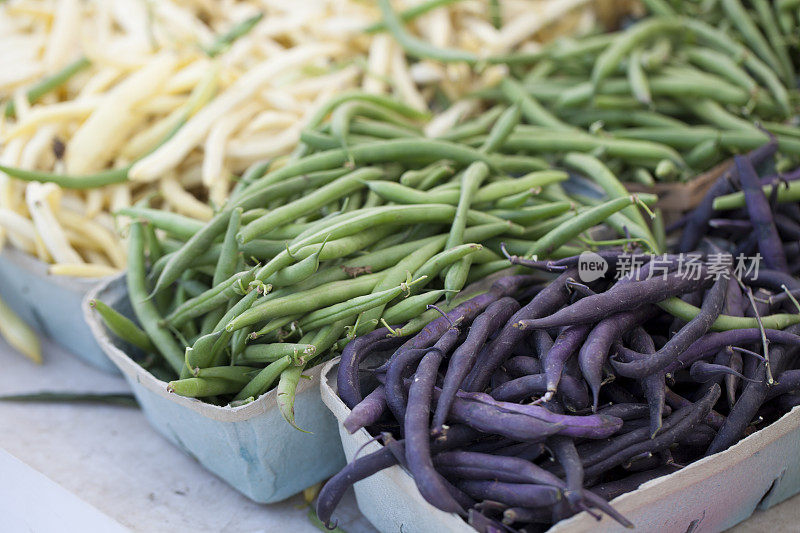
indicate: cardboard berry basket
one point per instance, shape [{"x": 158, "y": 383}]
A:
[
  {"x": 709, "y": 495},
  {"x": 251, "y": 447},
  {"x": 50, "y": 304}
]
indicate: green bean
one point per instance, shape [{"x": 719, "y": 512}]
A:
[
  {"x": 299, "y": 271},
  {"x": 752, "y": 36},
  {"x": 555, "y": 141},
  {"x": 411, "y": 307},
  {"x": 264, "y": 379},
  {"x": 309, "y": 203},
  {"x": 456, "y": 275},
  {"x": 413, "y": 178},
  {"x": 86, "y": 181},
  {"x": 122, "y": 326},
  {"x": 637, "y": 79},
  {"x": 658, "y": 55},
  {"x": 274, "y": 325},
  {"x": 229, "y": 253},
  {"x": 268, "y": 353},
  {"x": 558, "y": 236},
  {"x": 439, "y": 262},
  {"x": 326, "y": 337},
  {"x": 203, "y": 387},
  {"x": 716, "y": 115},
  {"x": 285, "y": 393},
  {"x": 349, "y": 308},
  {"x": 411, "y": 13},
  {"x": 211, "y": 299},
  {"x": 476, "y": 126},
  {"x": 530, "y": 108},
  {"x": 502, "y": 129},
  {"x": 643, "y": 176},
  {"x": 659, "y": 7},
  {"x": 177, "y": 225},
  {"x": 611, "y": 117},
  {"x": 394, "y": 192},
  {"x": 383, "y": 130},
  {"x": 722, "y": 65},
  {"x": 786, "y": 193},
  {"x": 686, "y": 311},
  {"x": 687, "y": 138},
  {"x": 240, "y": 29},
  {"x": 303, "y": 302},
  {"x": 49, "y": 84},
  {"x": 343, "y": 115},
  {"x": 520, "y": 163},
  {"x": 527, "y": 215},
  {"x": 770, "y": 26},
  {"x": 540, "y": 229},
  {"x": 238, "y": 374},
  {"x": 595, "y": 170},
  {"x": 416, "y": 47},
  {"x": 485, "y": 270},
  {"x": 144, "y": 308},
  {"x": 201, "y": 352},
  {"x": 704, "y": 154},
  {"x": 254, "y": 172}
]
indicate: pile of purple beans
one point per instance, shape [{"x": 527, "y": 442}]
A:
[{"x": 546, "y": 396}]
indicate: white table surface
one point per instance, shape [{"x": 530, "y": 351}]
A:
[
  {"x": 102, "y": 468},
  {"x": 110, "y": 458}
]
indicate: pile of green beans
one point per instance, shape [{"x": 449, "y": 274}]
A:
[
  {"x": 367, "y": 224},
  {"x": 670, "y": 96}
]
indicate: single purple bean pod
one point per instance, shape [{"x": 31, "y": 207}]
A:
[
  {"x": 653, "y": 386},
  {"x": 647, "y": 364},
  {"x": 628, "y": 411},
  {"x": 563, "y": 449},
  {"x": 788, "y": 229},
  {"x": 771, "y": 279},
  {"x": 787, "y": 382},
  {"x": 523, "y": 387},
  {"x": 490, "y": 419},
  {"x": 589, "y": 426},
  {"x": 769, "y": 242},
  {"x": 735, "y": 362},
  {"x": 566, "y": 344},
  {"x": 619, "y": 298},
  {"x": 347, "y": 382},
  {"x": 542, "y": 342},
  {"x": 516, "y": 494},
  {"x": 497, "y": 351},
  {"x": 464, "y": 357},
  {"x": 594, "y": 352},
  {"x": 368, "y": 411},
  {"x": 712, "y": 342},
  {"x": 702, "y": 371},
  {"x": 417, "y": 431},
  {"x": 618, "y": 487}
]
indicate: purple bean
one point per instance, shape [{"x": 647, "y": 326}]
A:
[
  {"x": 523, "y": 515},
  {"x": 788, "y": 228},
  {"x": 542, "y": 342},
  {"x": 463, "y": 358},
  {"x": 566, "y": 344},
  {"x": 399, "y": 364},
  {"x": 769, "y": 243},
  {"x": 653, "y": 386},
  {"x": 515, "y": 494},
  {"x": 649, "y": 363},
  {"x": 526, "y": 471},
  {"x": 417, "y": 430},
  {"x": 482, "y": 523},
  {"x": 572, "y": 391},
  {"x": 565, "y": 453},
  {"x": 712, "y": 342},
  {"x": 787, "y": 402},
  {"x": 787, "y": 382},
  {"x": 368, "y": 411},
  {"x": 627, "y": 411},
  {"x": 687, "y": 419},
  {"x": 594, "y": 352},
  {"x": 490, "y": 419},
  {"x": 522, "y": 365},
  {"x": 702, "y": 371},
  {"x": 347, "y": 382},
  {"x": 732, "y": 381},
  {"x": 548, "y": 300},
  {"x": 618, "y": 298},
  {"x": 589, "y": 426},
  {"x": 771, "y": 279}
]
